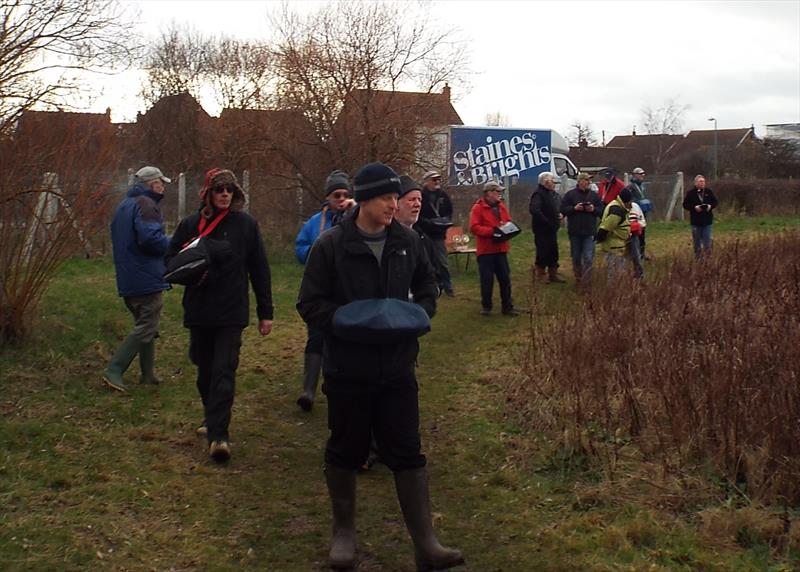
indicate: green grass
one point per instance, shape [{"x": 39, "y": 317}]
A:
[{"x": 91, "y": 479}]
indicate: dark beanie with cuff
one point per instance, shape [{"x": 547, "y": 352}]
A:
[
  {"x": 374, "y": 180},
  {"x": 335, "y": 181}
]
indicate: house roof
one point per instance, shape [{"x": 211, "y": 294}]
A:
[{"x": 423, "y": 109}]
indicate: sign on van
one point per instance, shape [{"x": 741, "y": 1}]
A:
[{"x": 481, "y": 154}]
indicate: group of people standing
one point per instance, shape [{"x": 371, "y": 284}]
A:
[
  {"x": 377, "y": 240},
  {"x": 360, "y": 253}
]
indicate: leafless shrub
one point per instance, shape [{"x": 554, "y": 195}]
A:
[
  {"x": 696, "y": 366},
  {"x": 53, "y": 198}
]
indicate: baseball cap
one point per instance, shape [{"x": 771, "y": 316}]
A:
[
  {"x": 638, "y": 171},
  {"x": 431, "y": 175},
  {"x": 149, "y": 173},
  {"x": 584, "y": 177},
  {"x": 492, "y": 186}
]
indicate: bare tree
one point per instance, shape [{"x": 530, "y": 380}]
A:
[
  {"x": 581, "y": 131},
  {"x": 175, "y": 63},
  {"x": 498, "y": 119},
  {"x": 240, "y": 73},
  {"x": 664, "y": 120},
  {"x": 343, "y": 67},
  {"x": 47, "y": 45}
]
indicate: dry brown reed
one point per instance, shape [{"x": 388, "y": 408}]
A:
[{"x": 696, "y": 366}]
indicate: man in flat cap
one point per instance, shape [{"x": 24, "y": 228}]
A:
[
  {"x": 139, "y": 243},
  {"x": 435, "y": 218}
]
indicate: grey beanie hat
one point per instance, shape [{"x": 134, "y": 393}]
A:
[{"x": 335, "y": 181}]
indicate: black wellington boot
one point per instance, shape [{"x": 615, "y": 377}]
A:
[
  {"x": 342, "y": 490},
  {"x": 311, "y": 368},
  {"x": 412, "y": 492}
]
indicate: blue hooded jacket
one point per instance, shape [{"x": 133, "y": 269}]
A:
[
  {"x": 310, "y": 232},
  {"x": 139, "y": 241}
]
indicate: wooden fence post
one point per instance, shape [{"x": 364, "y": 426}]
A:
[
  {"x": 181, "y": 196},
  {"x": 677, "y": 195}
]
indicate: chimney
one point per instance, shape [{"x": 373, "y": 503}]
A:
[
  {"x": 583, "y": 143},
  {"x": 446, "y": 91}
]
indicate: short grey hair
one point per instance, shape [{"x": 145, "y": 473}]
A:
[
  {"x": 698, "y": 177},
  {"x": 546, "y": 175}
]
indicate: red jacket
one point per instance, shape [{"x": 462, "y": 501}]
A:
[
  {"x": 608, "y": 190},
  {"x": 482, "y": 222}
]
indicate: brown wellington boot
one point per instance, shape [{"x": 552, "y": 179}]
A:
[
  {"x": 342, "y": 490},
  {"x": 553, "y": 275},
  {"x": 540, "y": 274},
  {"x": 412, "y": 492},
  {"x": 578, "y": 273}
]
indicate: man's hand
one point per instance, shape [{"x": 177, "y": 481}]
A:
[
  {"x": 580, "y": 207},
  {"x": 699, "y": 208},
  {"x": 264, "y": 327}
]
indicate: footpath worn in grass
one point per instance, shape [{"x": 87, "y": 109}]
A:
[{"x": 92, "y": 479}]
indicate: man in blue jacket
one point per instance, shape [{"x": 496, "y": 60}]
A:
[
  {"x": 139, "y": 242},
  {"x": 337, "y": 202}
]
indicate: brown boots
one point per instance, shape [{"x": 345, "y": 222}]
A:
[
  {"x": 412, "y": 492},
  {"x": 553, "y": 276}
]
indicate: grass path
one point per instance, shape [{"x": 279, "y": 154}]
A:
[{"x": 91, "y": 479}]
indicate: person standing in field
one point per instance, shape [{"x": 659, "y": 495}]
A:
[
  {"x": 615, "y": 232},
  {"x": 217, "y": 309},
  {"x": 435, "y": 218},
  {"x": 545, "y": 222},
  {"x": 582, "y": 208},
  {"x": 487, "y": 214},
  {"x": 700, "y": 201},
  {"x": 337, "y": 202},
  {"x": 139, "y": 242}
]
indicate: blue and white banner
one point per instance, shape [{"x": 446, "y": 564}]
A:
[{"x": 480, "y": 154}]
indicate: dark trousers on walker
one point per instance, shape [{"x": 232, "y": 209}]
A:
[
  {"x": 489, "y": 266},
  {"x": 390, "y": 412},
  {"x": 215, "y": 352}
]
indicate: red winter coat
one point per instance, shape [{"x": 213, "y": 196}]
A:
[
  {"x": 482, "y": 222},
  {"x": 608, "y": 190}
]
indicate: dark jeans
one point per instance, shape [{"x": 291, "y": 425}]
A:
[
  {"x": 441, "y": 266},
  {"x": 389, "y": 413},
  {"x": 215, "y": 352},
  {"x": 635, "y": 255},
  {"x": 489, "y": 266},
  {"x": 701, "y": 238},
  {"x": 146, "y": 312},
  {"x": 546, "y": 249},
  {"x": 315, "y": 340},
  {"x": 642, "y": 241}
]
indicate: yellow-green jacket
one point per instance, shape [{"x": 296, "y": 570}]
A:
[{"x": 615, "y": 229}]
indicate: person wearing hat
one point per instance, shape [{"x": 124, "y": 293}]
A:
[
  {"x": 615, "y": 232},
  {"x": 488, "y": 213},
  {"x": 435, "y": 218},
  {"x": 337, "y": 202},
  {"x": 610, "y": 186},
  {"x": 545, "y": 222},
  {"x": 371, "y": 382},
  {"x": 636, "y": 187},
  {"x": 216, "y": 310},
  {"x": 582, "y": 208},
  {"x": 139, "y": 242}
]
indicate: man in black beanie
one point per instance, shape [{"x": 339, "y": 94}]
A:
[
  {"x": 337, "y": 202},
  {"x": 372, "y": 387}
]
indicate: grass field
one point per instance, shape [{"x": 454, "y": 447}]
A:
[{"x": 92, "y": 479}]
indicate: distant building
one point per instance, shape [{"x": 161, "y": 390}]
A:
[{"x": 789, "y": 131}]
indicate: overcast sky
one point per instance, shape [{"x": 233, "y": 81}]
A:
[{"x": 547, "y": 64}]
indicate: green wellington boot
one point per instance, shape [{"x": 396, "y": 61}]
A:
[
  {"x": 147, "y": 360},
  {"x": 112, "y": 376}
]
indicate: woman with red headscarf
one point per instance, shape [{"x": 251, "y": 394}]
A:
[{"x": 216, "y": 310}]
